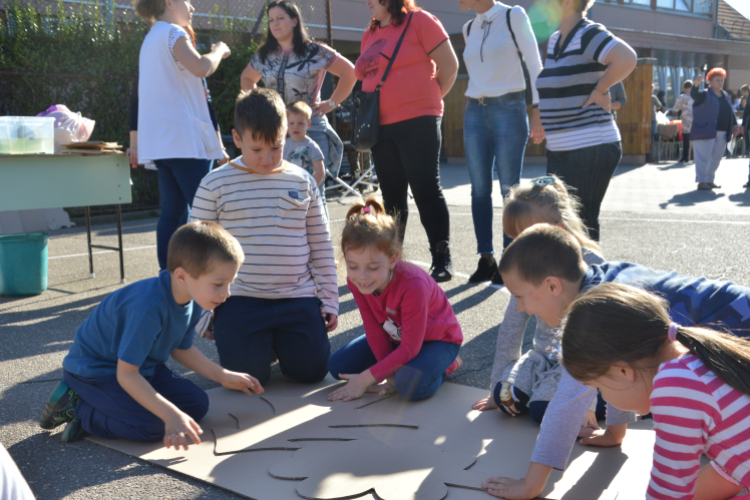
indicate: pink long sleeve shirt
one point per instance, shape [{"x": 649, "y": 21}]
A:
[
  {"x": 412, "y": 310},
  {"x": 695, "y": 412}
]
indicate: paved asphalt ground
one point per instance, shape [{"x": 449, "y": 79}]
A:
[{"x": 652, "y": 215}]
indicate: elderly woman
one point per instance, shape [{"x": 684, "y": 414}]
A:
[
  {"x": 496, "y": 127},
  {"x": 407, "y": 154},
  {"x": 684, "y": 104},
  {"x": 295, "y": 66},
  {"x": 714, "y": 125},
  {"x": 583, "y": 142}
]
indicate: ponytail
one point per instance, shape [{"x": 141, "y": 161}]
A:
[
  {"x": 614, "y": 323},
  {"x": 368, "y": 225},
  {"x": 724, "y": 354}
]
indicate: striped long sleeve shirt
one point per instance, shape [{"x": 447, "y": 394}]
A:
[
  {"x": 571, "y": 71},
  {"x": 695, "y": 412},
  {"x": 279, "y": 220}
]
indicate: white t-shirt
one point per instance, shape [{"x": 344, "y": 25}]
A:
[
  {"x": 490, "y": 55},
  {"x": 173, "y": 119}
]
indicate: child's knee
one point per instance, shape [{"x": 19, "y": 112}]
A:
[
  {"x": 537, "y": 409},
  {"x": 198, "y": 407},
  {"x": 411, "y": 384},
  {"x": 309, "y": 373}
]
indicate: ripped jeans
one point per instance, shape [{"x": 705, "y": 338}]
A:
[{"x": 495, "y": 137}]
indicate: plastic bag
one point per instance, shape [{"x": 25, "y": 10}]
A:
[{"x": 69, "y": 126}]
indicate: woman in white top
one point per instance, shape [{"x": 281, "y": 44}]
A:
[
  {"x": 175, "y": 129},
  {"x": 684, "y": 103},
  {"x": 496, "y": 127}
]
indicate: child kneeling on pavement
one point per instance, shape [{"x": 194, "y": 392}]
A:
[{"x": 115, "y": 383}]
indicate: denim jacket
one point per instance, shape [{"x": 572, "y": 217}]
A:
[{"x": 706, "y": 114}]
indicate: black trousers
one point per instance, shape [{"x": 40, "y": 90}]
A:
[
  {"x": 588, "y": 171},
  {"x": 685, "y": 146},
  {"x": 407, "y": 155}
]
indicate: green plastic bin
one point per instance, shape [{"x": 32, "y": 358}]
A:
[{"x": 23, "y": 264}]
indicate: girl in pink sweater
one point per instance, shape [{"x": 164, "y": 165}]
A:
[
  {"x": 412, "y": 337},
  {"x": 696, "y": 383}
]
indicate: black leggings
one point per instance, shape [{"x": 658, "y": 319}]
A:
[{"x": 406, "y": 155}]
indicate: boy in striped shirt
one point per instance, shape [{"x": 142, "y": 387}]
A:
[
  {"x": 543, "y": 268},
  {"x": 285, "y": 298}
]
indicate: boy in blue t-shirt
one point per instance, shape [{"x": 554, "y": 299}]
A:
[
  {"x": 115, "y": 384},
  {"x": 544, "y": 270}
]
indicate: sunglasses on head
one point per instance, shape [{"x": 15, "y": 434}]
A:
[{"x": 543, "y": 181}]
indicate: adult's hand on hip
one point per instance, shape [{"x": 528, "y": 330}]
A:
[{"x": 603, "y": 100}]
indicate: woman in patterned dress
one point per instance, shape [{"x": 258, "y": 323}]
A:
[{"x": 295, "y": 66}]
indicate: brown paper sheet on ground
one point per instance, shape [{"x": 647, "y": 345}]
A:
[{"x": 502, "y": 445}]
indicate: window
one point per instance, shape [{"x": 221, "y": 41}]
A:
[{"x": 701, "y": 7}]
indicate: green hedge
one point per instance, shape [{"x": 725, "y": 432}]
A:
[{"x": 81, "y": 57}]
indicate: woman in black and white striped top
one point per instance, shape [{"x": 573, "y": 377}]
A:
[{"x": 583, "y": 142}]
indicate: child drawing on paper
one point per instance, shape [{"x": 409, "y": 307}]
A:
[
  {"x": 412, "y": 337},
  {"x": 695, "y": 381},
  {"x": 526, "y": 383}
]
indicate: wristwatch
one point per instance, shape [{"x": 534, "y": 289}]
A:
[{"x": 332, "y": 103}]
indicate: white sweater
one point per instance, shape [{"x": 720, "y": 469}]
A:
[{"x": 494, "y": 67}]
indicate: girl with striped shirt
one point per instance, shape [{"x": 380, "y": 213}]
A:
[{"x": 695, "y": 381}]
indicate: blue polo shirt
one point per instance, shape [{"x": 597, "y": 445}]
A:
[
  {"x": 140, "y": 324},
  {"x": 692, "y": 301}
]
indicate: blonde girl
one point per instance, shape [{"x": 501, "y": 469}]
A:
[
  {"x": 695, "y": 381},
  {"x": 527, "y": 383},
  {"x": 412, "y": 337}
]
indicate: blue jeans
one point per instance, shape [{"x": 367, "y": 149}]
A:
[
  {"x": 495, "y": 134},
  {"x": 107, "y": 411},
  {"x": 249, "y": 331},
  {"x": 178, "y": 181},
  {"x": 588, "y": 171},
  {"x": 418, "y": 379}
]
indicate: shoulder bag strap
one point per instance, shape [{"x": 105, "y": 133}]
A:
[
  {"x": 524, "y": 68},
  {"x": 393, "y": 57},
  {"x": 510, "y": 27}
]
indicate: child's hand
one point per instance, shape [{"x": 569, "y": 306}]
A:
[
  {"x": 510, "y": 489},
  {"x": 612, "y": 436},
  {"x": 178, "y": 428},
  {"x": 589, "y": 424},
  {"x": 354, "y": 389},
  {"x": 241, "y": 382},
  {"x": 387, "y": 387},
  {"x": 331, "y": 320},
  {"x": 485, "y": 404}
]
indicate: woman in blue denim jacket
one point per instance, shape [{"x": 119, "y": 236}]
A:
[
  {"x": 714, "y": 125},
  {"x": 496, "y": 127}
]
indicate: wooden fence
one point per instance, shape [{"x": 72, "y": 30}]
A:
[{"x": 634, "y": 119}]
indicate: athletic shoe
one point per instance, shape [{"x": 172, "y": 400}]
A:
[
  {"x": 59, "y": 407},
  {"x": 457, "y": 363},
  {"x": 73, "y": 431},
  {"x": 442, "y": 265},
  {"x": 485, "y": 271}
]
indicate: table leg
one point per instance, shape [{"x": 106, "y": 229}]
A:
[
  {"x": 119, "y": 241},
  {"x": 88, "y": 235}
]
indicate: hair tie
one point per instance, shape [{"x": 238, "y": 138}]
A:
[
  {"x": 366, "y": 210},
  {"x": 673, "y": 331}
]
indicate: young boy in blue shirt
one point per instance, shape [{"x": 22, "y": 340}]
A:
[
  {"x": 115, "y": 383},
  {"x": 543, "y": 268}
]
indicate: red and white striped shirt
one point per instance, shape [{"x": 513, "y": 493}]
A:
[{"x": 695, "y": 412}]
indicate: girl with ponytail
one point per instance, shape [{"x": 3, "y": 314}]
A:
[
  {"x": 412, "y": 337},
  {"x": 695, "y": 381}
]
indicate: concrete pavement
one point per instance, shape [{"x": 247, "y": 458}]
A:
[{"x": 652, "y": 215}]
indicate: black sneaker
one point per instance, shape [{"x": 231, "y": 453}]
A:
[
  {"x": 73, "y": 431},
  {"x": 442, "y": 266},
  {"x": 485, "y": 271},
  {"x": 59, "y": 407},
  {"x": 497, "y": 278}
]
